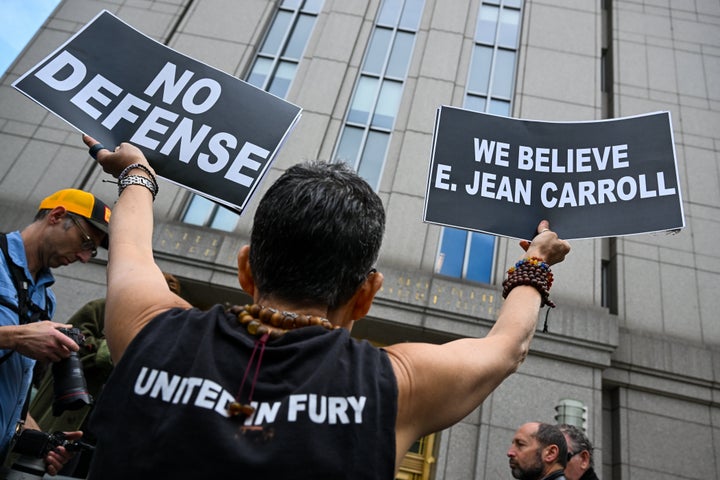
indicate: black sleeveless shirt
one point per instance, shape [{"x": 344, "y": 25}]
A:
[{"x": 325, "y": 404}]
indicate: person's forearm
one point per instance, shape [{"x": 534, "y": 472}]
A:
[
  {"x": 8, "y": 337},
  {"x": 518, "y": 319},
  {"x": 30, "y": 423},
  {"x": 131, "y": 225}
]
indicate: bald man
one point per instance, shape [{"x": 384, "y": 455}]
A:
[{"x": 538, "y": 452}]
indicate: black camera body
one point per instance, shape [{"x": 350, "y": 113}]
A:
[
  {"x": 37, "y": 444},
  {"x": 33, "y": 446},
  {"x": 69, "y": 385}
]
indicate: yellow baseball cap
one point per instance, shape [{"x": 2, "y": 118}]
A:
[{"x": 81, "y": 203}]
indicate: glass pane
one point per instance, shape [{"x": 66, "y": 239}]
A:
[
  {"x": 198, "y": 211},
  {"x": 509, "y": 28},
  {"x": 480, "y": 69},
  {"x": 473, "y": 102},
  {"x": 299, "y": 37},
  {"x": 389, "y": 13},
  {"x": 486, "y": 24},
  {"x": 377, "y": 51},
  {"x": 225, "y": 219},
  {"x": 364, "y": 99},
  {"x": 400, "y": 56},
  {"x": 387, "y": 105},
  {"x": 259, "y": 72},
  {"x": 499, "y": 107},
  {"x": 411, "y": 15},
  {"x": 513, "y": 3},
  {"x": 452, "y": 252},
  {"x": 283, "y": 77},
  {"x": 373, "y": 157},
  {"x": 292, "y": 4},
  {"x": 277, "y": 32},
  {"x": 349, "y": 146},
  {"x": 313, "y": 6},
  {"x": 480, "y": 259},
  {"x": 503, "y": 73}
]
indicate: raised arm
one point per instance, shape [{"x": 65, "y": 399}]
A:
[
  {"x": 137, "y": 291},
  {"x": 438, "y": 385}
]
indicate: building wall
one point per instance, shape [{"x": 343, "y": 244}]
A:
[{"x": 646, "y": 372}]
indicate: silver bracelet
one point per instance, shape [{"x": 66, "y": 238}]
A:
[
  {"x": 128, "y": 180},
  {"x": 142, "y": 167}
]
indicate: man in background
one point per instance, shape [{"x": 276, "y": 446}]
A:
[
  {"x": 538, "y": 452},
  {"x": 581, "y": 462}
]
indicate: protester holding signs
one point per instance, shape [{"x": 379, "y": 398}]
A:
[{"x": 279, "y": 389}]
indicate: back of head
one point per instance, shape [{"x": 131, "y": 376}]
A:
[
  {"x": 316, "y": 234},
  {"x": 551, "y": 435}
]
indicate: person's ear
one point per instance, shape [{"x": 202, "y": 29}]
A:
[
  {"x": 366, "y": 294},
  {"x": 584, "y": 459},
  {"x": 56, "y": 214},
  {"x": 551, "y": 453},
  {"x": 245, "y": 277}
]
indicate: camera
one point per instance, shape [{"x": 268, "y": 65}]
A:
[
  {"x": 33, "y": 446},
  {"x": 69, "y": 386}
]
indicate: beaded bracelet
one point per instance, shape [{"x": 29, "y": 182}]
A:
[
  {"x": 128, "y": 180},
  {"x": 536, "y": 273},
  {"x": 531, "y": 271}
]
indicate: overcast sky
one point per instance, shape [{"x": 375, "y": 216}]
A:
[{"x": 19, "y": 20}]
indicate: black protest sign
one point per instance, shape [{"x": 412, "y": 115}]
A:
[
  {"x": 198, "y": 126},
  {"x": 502, "y": 175}
]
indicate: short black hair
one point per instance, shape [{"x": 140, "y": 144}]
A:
[
  {"x": 316, "y": 234},
  {"x": 551, "y": 435}
]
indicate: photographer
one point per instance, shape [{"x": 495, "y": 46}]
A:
[{"x": 69, "y": 226}]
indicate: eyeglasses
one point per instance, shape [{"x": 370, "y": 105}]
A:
[
  {"x": 571, "y": 454},
  {"x": 87, "y": 243}
]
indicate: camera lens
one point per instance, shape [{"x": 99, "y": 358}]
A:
[{"x": 70, "y": 387}]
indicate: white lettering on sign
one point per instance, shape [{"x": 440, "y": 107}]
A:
[{"x": 157, "y": 128}]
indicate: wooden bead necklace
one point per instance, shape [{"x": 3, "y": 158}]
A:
[
  {"x": 260, "y": 320},
  {"x": 266, "y": 323}
]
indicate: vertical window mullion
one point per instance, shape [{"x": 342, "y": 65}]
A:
[{"x": 466, "y": 259}]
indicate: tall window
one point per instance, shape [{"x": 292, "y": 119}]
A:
[
  {"x": 273, "y": 70},
  {"x": 366, "y": 133},
  {"x": 490, "y": 88}
]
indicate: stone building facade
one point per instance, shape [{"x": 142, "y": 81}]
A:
[{"x": 635, "y": 338}]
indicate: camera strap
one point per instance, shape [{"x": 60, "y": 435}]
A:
[{"x": 27, "y": 310}]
